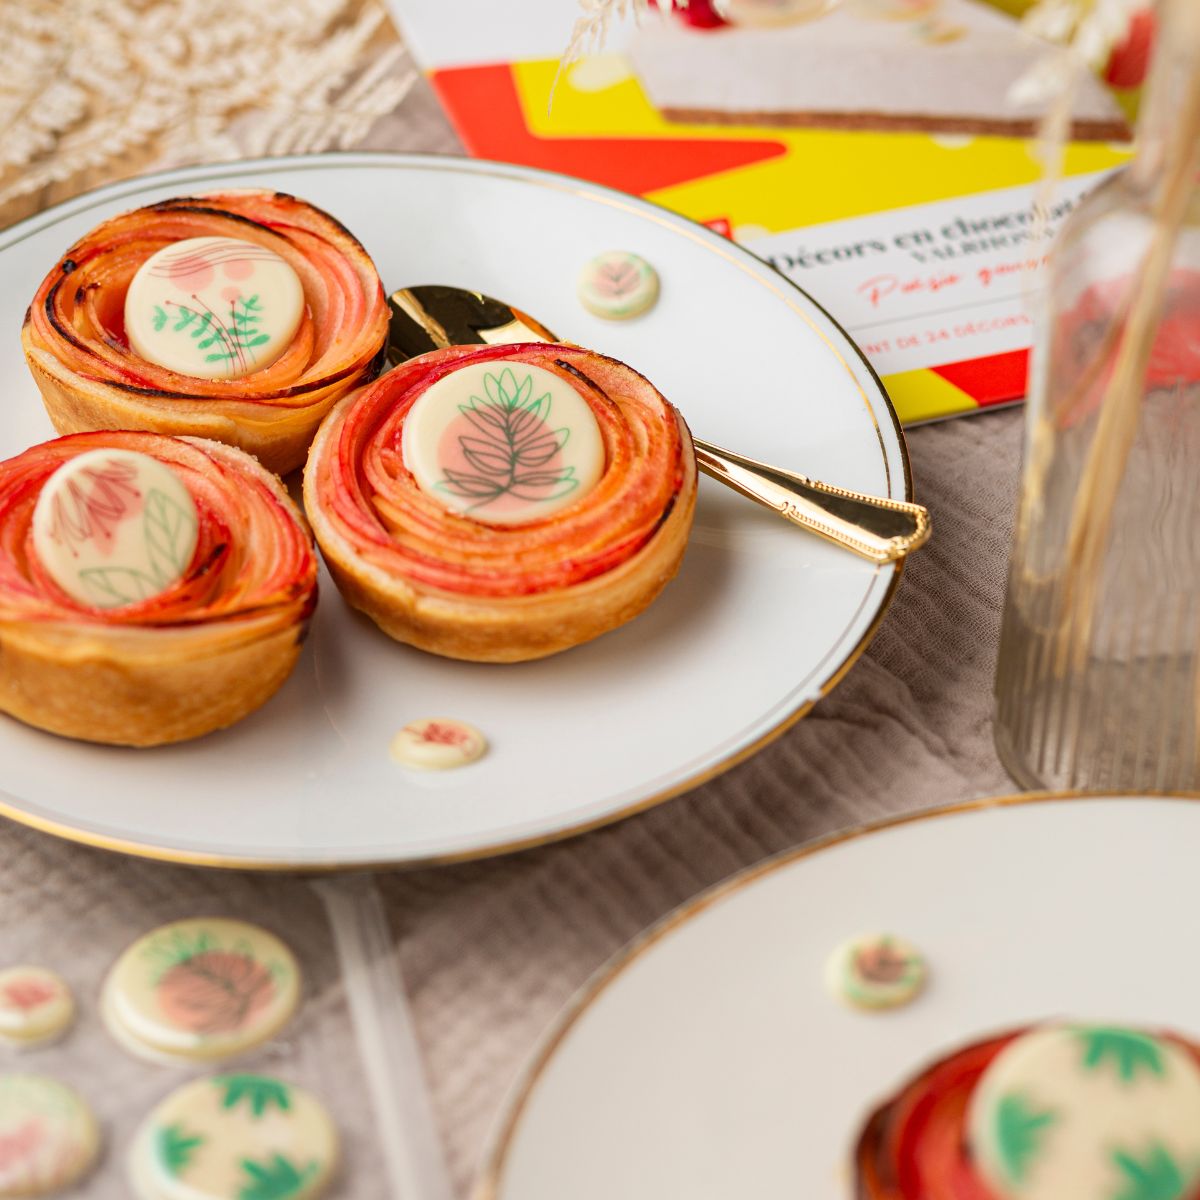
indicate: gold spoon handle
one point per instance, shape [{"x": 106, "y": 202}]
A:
[
  {"x": 879, "y": 529},
  {"x": 874, "y": 527}
]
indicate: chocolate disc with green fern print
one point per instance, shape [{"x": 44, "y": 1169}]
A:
[
  {"x": 235, "y": 1137},
  {"x": 505, "y": 443},
  {"x": 200, "y": 990},
  {"x": 213, "y": 307},
  {"x": 114, "y": 527},
  {"x": 1095, "y": 1112}
]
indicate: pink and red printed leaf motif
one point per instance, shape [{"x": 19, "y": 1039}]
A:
[
  {"x": 27, "y": 994},
  {"x": 92, "y": 513},
  {"x": 22, "y": 1145},
  {"x": 617, "y": 279},
  {"x": 215, "y": 991},
  {"x": 444, "y": 735},
  {"x": 509, "y": 449},
  {"x": 881, "y": 963}
]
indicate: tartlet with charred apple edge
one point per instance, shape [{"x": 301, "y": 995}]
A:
[
  {"x": 203, "y": 653},
  {"x": 75, "y": 340},
  {"x": 462, "y": 583}
]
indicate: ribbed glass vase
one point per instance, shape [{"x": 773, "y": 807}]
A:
[{"x": 1098, "y": 679}]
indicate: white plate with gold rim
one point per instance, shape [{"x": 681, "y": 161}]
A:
[
  {"x": 760, "y": 623},
  {"x": 708, "y": 1060}
]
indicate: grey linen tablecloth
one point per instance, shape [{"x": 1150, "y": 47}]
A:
[{"x": 491, "y": 950}]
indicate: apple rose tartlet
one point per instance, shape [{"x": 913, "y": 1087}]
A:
[
  {"x": 240, "y": 316},
  {"x": 1052, "y": 1112},
  {"x": 502, "y": 503},
  {"x": 152, "y": 589}
]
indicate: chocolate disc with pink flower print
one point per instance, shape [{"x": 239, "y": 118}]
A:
[
  {"x": 617, "y": 285},
  {"x": 36, "y": 1006},
  {"x": 213, "y": 307},
  {"x": 437, "y": 744},
  {"x": 876, "y": 971},
  {"x": 114, "y": 527},
  {"x": 48, "y": 1136},
  {"x": 504, "y": 443},
  {"x": 201, "y": 989}
]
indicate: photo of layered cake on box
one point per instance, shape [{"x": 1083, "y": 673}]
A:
[{"x": 928, "y": 66}]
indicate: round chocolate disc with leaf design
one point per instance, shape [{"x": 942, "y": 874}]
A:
[
  {"x": 877, "y": 970},
  {"x": 213, "y": 307},
  {"x": 36, "y": 1006},
  {"x": 201, "y": 989},
  {"x": 48, "y": 1136},
  {"x": 235, "y": 1137},
  {"x": 114, "y": 527},
  {"x": 503, "y": 442},
  {"x": 618, "y": 285},
  {"x": 437, "y": 744},
  {"x": 1088, "y": 1111}
]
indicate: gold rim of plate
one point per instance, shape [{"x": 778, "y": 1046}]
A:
[
  {"x": 695, "y": 232},
  {"x": 487, "y": 1184}
]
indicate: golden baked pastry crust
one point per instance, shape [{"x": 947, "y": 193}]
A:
[
  {"x": 615, "y": 549},
  {"x": 201, "y": 656}
]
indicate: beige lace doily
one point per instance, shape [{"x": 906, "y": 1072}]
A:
[{"x": 95, "y": 90}]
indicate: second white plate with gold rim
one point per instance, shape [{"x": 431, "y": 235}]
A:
[
  {"x": 709, "y": 1060},
  {"x": 760, "y": 623}
]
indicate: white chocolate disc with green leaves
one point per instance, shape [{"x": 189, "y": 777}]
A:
[
  {"x": 201, "y": 989},
  {"x": 505, "y": 443},
  {"x": 1088, "y": 1111},
  {"x": 213, "y": 307},
  {"x": 36, "y": 1006},
  {"x": 114, "y": 527},
  {"x": 876, "y": 970},
  {"x": 48, "y": 1136},
  {"x": 235, "y": 1137},
  {"x": 617, "y": 285},
  {"x": 437, "y": 744}
]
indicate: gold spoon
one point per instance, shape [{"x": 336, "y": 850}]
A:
[{"x": 877, "y": 528}]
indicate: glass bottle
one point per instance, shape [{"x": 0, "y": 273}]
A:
[{"x": 1098, "y": 677}]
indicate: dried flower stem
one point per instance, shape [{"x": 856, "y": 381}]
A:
[{"x": 592, "y": 26}]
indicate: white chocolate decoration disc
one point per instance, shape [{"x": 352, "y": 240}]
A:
[
  {"x": 503, "y": 442},
  {"x": 201, "y": 989},
  {"x": 36, "y": 1006},
  {"x": 234, "y": 1137},
  {"x": 617, "y": 285},
  {"x": 876, "y": 971},
  {"x": 1088, "y": 1111},
  {"x": 213, "y": 307},
  {"x": 437, "y": 744},
  {"x": 114, "y": 527},
  {"x": 48, "y": 1136}
]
